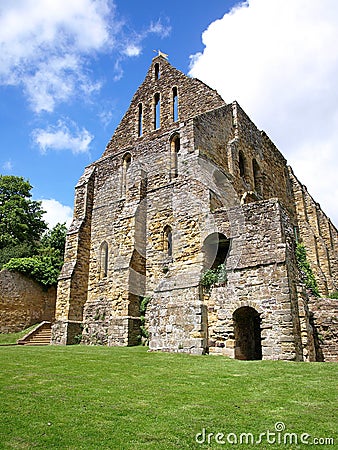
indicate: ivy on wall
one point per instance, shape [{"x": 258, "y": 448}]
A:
[
  {"x": 143, "y": 328},
  {"x": 305, "y": 268}
]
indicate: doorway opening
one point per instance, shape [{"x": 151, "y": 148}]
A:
[{"x": 247, "y": 331}]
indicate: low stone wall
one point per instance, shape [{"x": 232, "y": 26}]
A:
[
  {"x": 324, "y": 320},
  {"x": 23, "y": 302}
]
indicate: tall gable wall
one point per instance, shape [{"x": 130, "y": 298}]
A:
[{"x": 189, "y": 90}]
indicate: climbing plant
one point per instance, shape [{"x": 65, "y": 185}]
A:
[
  {"x": 143, "y": 308},
  {"x": 305, "y": 268}
]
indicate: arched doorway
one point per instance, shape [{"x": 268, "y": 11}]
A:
[{"x": 247, "y": 332}]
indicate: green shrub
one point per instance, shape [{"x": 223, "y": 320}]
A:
[
  {"x": 43, "y": 269},
  {"x": 214, "y": 276},
  {"x": 305, "y": 268},
  {"x": 334, "y": 295},
  {"x": 43, "y": 262}
]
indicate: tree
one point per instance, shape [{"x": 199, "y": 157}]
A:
[
  {"x": 25, "y": 246},
  {"x": 16, "y": 251},
  {"x": 20, "y": 217},
  {"x": 55, "y": 239}
]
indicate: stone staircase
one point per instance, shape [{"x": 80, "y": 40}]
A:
[{"x": 40, "y": 335}]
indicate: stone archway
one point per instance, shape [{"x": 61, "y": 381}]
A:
[
  {"x": 215, "y": 249},
  {"x": 247, "y": 330}
]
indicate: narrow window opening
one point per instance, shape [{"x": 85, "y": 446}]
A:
[
  {"x": 127, "y": 161},
  {"x": 103, "y": 260},
  {"x": 157, "y": 111},
  {"x": 241, "y": 164},
  {"x": 157, "y": 71},
  {"x": 174, "y": 149},
  {"x": 175, "y": 105},
  {"x": 125, "y": 167},
  {"x": 140, "y": 119},
  {"x": 168, "y": 240}
]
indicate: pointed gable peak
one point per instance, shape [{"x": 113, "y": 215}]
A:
[
  {"x": 161, "y": 54},
  {"x": 166, "y": 96}
]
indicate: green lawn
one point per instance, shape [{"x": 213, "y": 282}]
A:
[
  {"x": 11, "y": 338},
  {"x": 82, "y": 397}
]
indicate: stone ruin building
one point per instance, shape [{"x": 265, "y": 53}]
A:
[{"x": 188, "y": 183}]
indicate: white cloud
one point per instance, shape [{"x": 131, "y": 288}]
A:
[
  {"x": 7, "y": 166},
  {"x": 61, "y": 137},
  {"x": 105, "y": 117},
  {"x": 56, "y": 212},
  {"x": 133, "y": 47},
  {"x": 279, "y": 60},
  {"x": 44, "y": 44},
  {"x": 159, "y": 28},
  {"x": 132, "y": 50}
]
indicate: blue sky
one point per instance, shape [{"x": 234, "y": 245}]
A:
[{"x": 69, "y": 68}]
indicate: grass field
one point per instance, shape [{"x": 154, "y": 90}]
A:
[
  {"x": 11, "y": 338},
  {"x": 82, "y": 397}
]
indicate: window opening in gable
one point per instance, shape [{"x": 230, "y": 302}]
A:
[
  {"x": 140, "y": 120},
  {"x": 175, "y": 105},
  {"x": 157, "y": 111},
  {"x": 257, "y": 176},
  {"x": 125, "y": 167},
  {"x": 157, "y": 71}
]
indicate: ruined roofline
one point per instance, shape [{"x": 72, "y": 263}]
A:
[
  {"x": 305, "y": 190},
  {"x": 263, "y": 134}
]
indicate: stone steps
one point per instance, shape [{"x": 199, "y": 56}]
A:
[{"x": 40, "y": 335}]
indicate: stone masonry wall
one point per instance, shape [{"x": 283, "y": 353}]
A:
[
  {"x": 134, "y": 231},
  {"x": 324, "y": 320},
  {"x": 271, "y": 178},
  {"x": 23, "y": 302},
  {"x": 258, "y": 277},
  {"x": 222, "y": 134}
]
